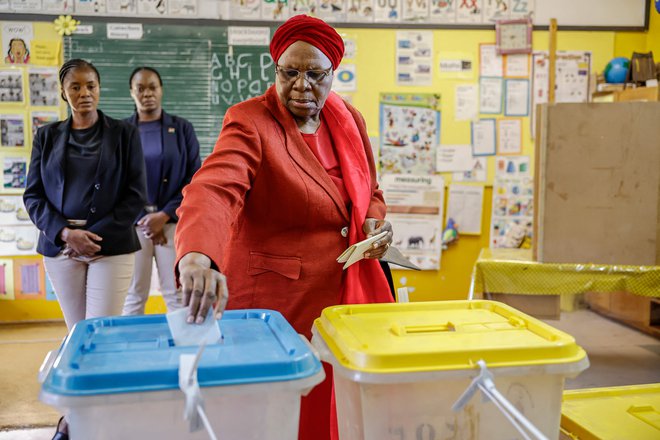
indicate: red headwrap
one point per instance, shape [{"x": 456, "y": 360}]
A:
[{"x": 310, "y": 30}]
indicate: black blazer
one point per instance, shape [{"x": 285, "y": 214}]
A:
[
  {"x": 119, "y": 187},
  {"x": 180, "y": 161}
]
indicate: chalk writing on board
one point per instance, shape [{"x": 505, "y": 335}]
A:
[{"x": 237, "y": 77}]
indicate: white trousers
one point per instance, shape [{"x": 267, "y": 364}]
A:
[
  {"x": 90, "y": 289},
  {"x": 165, "y": 256}
]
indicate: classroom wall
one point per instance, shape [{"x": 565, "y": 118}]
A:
[{"x": 376, "y": 73}]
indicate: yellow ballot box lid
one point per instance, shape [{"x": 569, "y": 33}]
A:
[
  {"x": 440, "y": 336},
  {"x": 612, "y": 413}
]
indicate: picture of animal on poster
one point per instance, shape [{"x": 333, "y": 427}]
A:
[
  {"x": 409, "y": 136},
  {"x": 418, "y": 239}
]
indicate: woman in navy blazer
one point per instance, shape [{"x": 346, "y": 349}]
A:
[
  {"x": 171, "y": 153},
  {"x": 85, "y": 187}
]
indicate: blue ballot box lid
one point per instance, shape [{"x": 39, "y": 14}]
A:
[{"x": 136, "y": 354}]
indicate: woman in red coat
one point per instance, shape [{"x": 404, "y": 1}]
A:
[{"x": 290, "y": 184}]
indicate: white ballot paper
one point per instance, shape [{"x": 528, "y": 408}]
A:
[
  {"x": 185, "y": 334},
  {"x": 355, "y": 252}
]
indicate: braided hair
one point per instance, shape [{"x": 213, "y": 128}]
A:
[{"x": 74, "y": 64}]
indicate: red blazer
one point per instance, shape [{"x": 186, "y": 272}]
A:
[{"x": 268, "y": 215}]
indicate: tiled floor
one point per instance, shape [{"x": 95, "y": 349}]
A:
[{"x": 618, "y": 356}]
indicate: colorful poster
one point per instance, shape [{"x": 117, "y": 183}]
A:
[
  {"x": 16, "y": 40},
  {"x": 14, "y": 173},
  {"x": 40, "y": 119},
  {"x": 152, "y": 7},
  {"x": 409, "y": 133},
  {"x": 513, "y": 197},
  {"x": 297, "y": 7},
  {"x": 496, "y": 10},
  {"x": 29, "y": 278},
  {"x": 414, "y": 207}
]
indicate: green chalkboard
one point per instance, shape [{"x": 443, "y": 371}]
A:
[{"x": 202, "y": 76}]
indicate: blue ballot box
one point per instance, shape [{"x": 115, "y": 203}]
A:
[{"x": 118, "y": 377}]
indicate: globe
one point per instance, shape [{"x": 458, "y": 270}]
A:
[{"x": 616, "y": 70}]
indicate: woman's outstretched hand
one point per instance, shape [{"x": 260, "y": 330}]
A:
[{"x": 201, "y": 286}]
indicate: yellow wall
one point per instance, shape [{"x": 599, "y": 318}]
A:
[
  {"x": 375, "y": 62},
  {"x": 653, "y": 40},
  {"x": 376, "y": 73}
]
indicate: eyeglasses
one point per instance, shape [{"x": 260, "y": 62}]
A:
[{"x": 312, "y": 76}]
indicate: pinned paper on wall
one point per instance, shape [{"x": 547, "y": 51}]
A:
[
  {"x": 483, "y": 137},
  {"x": 509, "y": 136},
  {"x": 516, "y": 97},
  {"x": 29, "y": 278},
  {"x": 14, "y": 173},
  {"x": 345, "y": 78},
  {"x": 478, "y": 172},
  {"x": 452, "y": 158},
  {"x": 490, "y": 95},
  {"x": 469, "y": 11},
  {"x": 44, "y": 87},
  {"x": 512, "y": 166},
  {"x": 466, "y": 102},
  {"x": 409, "y": 133},
  {"x": 414, "y": 58},
  {"x": 11, "y": 86},
  {"x": 414, "y": 207},
  {"x": 516, "y": 65},
  {"x": 455, "y": 65},
  {"x": 6, "y": 278},
  {"x": 490, "y": 63},
  {"x": 45, "y": 52},
  {"x": 465, "y": 207}
]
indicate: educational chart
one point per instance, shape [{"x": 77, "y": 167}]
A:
[
  {"x": 414, "y": 207},
  {"x": 474, "y": 12},
  {"x": 409, "y": 133},
  {"x": 573, "y": 69},
  {"x": 513, "y": 196}
]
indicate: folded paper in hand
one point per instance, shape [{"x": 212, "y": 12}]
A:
[{"x": 355, "y": 252}]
